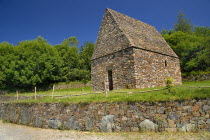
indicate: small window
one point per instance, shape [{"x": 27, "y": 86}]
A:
[
  {"x": 113, "y": 56},
  {"x": 165, "y": 63}
]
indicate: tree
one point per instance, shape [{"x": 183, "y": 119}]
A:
[
  {"x": 86, "y": 54},
  {"x": 191, "y": 49},
  {"x": 7, "y": 61},
  {"x": 183, "y": 24},
  {"x": 69, "y": 54},
  {"x": 38, "y": 63}
]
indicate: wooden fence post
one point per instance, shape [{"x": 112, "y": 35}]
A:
[
  {"x": 106, "y": 94},
  {"x": 53, "y": 91},
  {"x": 35, "y": 93},
  {"x": 17, "y": 94}
]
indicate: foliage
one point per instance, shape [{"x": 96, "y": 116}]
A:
[
  {"x": 169, "y": 85},
  {"x": 183, "y": 24},
  {"x": 191, "y": 45},
  {"x": 36, "y": 62},
  {"x": 86, "y": 54}
]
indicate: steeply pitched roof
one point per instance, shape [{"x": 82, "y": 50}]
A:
[{"x": 135, "y": 33}]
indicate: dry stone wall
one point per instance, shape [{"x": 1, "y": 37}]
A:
[{"x": 189, "y": 115}]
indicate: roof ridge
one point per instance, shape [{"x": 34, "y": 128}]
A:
[{"x": 108, "y": 9}]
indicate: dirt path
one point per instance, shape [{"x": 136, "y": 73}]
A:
[{"x": 19, "y": 132}]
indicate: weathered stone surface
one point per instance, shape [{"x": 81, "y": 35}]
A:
[
  {"x": 174, "y": 116},
  {"x": 3, "y": 115},
  {"x": 14, "y": 116},
  {"x": 25, "y": 116},
  {"x": 125, "y": 117},
  {"x": 37, "y": 121},
  {"x": 148, "y": 125},
  {"x": 72, "y": 124},
  {"x": 134, "y": 129},
  {"x": 206, "y": 107},
  {"x": 107, "y": 123},
  {"x": 188, "y": 128},
  {"x": 171, "y": 124},
  {"x": 88, "y": 123},
  {"x": 118, "y": 128},
  {"x": 134, "y": 52},
  {"x": 187, "y": 108},
  {"x": 54, "y": 123},
  {"x": 161, "y": 110}
]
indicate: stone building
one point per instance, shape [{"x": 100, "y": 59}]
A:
[{"x": 131, "y": 53}]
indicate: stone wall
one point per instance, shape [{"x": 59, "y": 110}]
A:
[
  {"x": 122, "y": 65},
  {"x": 197, "y": 77},
  {"x": 189, "y": 115},
  {"x": 152, "y": 69}
]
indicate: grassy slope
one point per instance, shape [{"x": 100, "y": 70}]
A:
[{"x": 181, "y": 93}]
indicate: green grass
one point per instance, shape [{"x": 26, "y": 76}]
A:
[{"x": 181, "y": 93}]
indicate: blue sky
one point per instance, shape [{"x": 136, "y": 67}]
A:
[{"x": 56, "y": 20}]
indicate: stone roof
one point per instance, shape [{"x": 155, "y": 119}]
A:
[{"x": 131, "y": 32}]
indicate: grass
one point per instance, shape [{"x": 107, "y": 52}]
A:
[{"x": 181, "y": 93}]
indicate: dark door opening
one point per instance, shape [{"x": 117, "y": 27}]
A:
[{"x": 110, "y": 80}]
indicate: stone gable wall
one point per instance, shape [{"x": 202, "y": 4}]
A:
[
  {"x": 152, "y": 69},
  {"x": 189, "y": 115},
  {"x": 110, "y": 38}
]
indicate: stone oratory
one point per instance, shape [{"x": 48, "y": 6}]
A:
[{"x": 131, "y": 53}]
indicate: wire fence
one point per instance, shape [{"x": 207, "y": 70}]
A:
[{"x": 37, "y": 96}]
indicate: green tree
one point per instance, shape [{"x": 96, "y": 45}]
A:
[
  {"x": 69, "y": 54},
  {"x": 183, "y": 24},
  {"x": 7, "y": 61},
  {"x": 86, "y": 54},
  {"x": 38, "y": 63},
  {"x": 191, "y": 49}
]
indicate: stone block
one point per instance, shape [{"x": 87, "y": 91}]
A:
[
  {"x": 187, "y": 108},
  {"x": 88, "y": 123},
  {"x": 161, "y": 110},
  {"x": 25, "y": 117},
  {"x": 174, "y": 116},
  {"x": 206, "y": 108},
  {"x": 107, "y": 123},
  {"x": 54, "y": 123},
  {"x": 38, "y": 121},
  {"x": 148, "y": 125},
  {"x": 71, "y": 123},
  {"x": 195, "y": 108},
  {"x": 14, "y": 116},
  {"x": 196, "y": 114},
  {"x": 134, "y": 129},
  {"x": 188, "y": 128},
  {"x": 171, "y": 124}
]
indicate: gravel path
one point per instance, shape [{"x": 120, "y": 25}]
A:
[{"x": 19, "y": 132}]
